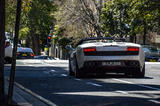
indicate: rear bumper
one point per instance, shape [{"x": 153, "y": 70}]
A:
[
  {"x": 23, "y": 57},
  {"x": 97, "y": 66}
]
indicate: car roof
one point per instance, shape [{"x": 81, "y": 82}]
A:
[{"x": 99, "y": 38}]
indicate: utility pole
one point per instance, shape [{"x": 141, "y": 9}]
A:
[
  {"x": 2, "y": 50},
  {"x": 13, "y": 66}
]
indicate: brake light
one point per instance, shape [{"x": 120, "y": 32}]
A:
[
  {"x": 89, "y": 49},
  {"x": 7, "y": 44},
  {"x": 18, "y": 54},
  {"x": 32, "y": 54},
  {"x": 133, "y": 49}
]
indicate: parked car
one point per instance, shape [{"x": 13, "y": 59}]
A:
[
  {"x": 8, "y": 51},
  {"x": 104, "y": 55},
  {"x": 24, "y": 53},
  {"x": 44, "y": 57},
  {"x": 152, "y": 53}
]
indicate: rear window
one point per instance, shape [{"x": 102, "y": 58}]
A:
[{"x": 24, "y": 50}]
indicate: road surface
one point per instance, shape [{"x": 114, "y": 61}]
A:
[{"x": 49, "y": 79}]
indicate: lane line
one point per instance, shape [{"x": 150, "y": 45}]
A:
[
  {"x": 77, "y": 79},
  {"x": 154, "y": 101},
  {"x": 123, "y": 81},
  {"x": 53, "y": 70},
  {"x": 64, "y": 75},
  {"x": 91, "y": 83},
  {"x": 144, "y": 86},
  {"x": 148, "y": 87},
  {"x": 123, "y": 92}
]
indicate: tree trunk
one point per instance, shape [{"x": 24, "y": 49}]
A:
[
  {"x": 145, "y": 32},
  {"x": 35, "y": 42},
  {"x": 98, "y": 27},
  {"x": 2, "y": 50}
]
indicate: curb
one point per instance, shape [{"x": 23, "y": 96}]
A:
[{"x": 48, "y": 102}]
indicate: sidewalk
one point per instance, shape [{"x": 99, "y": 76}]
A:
[{"x": 25, "y": 97}]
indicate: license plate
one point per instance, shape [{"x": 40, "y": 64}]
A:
[
  {"x": 111, "y": 63},
  {"x": 152, "y": 60},
  {"x": 24, "y": 54}
]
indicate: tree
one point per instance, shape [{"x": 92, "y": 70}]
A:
[
  {"x": 128, "y": 17},
  {"x": 39, "y": 21},
  {"x": 36, "y": 18},
  {"x": 82, "y": 16},
  {"x": 2, "y": 49}
]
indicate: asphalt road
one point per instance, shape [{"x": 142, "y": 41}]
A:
[{"x": 50, "y": 80}]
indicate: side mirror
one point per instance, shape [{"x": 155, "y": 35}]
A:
[{"x": 69, "y": 47}]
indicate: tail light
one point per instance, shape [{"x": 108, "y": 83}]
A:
[
  {"x": 7, "y": 44},
  {"x": 89, "y": 49},
  {"x": 133, "y": 49},
  {"x": 18, "y": 53},
  {"x": 32, "y": 54}
]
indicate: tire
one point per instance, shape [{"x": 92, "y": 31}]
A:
[
  {"x": 142, "y": 74},
  {"x": 8, "y": 60},
  {"x": 71, "y": 73},
  {"x": 139, "y": 73},
  {"x": 78, "y": 73}
]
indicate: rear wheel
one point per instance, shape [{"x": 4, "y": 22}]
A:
[
  {"x": 139, "y": 73},
  {"x": 71, "y": 73},
  {"x": 78, "y": 73}
]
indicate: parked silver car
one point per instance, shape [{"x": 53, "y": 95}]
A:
[{"x": 104, "y": 55}]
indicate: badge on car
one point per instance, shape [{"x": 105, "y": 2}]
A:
[{"x": 111, "y": 63}]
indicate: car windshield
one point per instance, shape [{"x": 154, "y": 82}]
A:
[
  {"x": 100, "y": 40},
  {"x": 20, "y": 49}
]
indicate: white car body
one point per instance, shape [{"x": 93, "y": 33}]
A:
[{"x": 106, "y": 55}]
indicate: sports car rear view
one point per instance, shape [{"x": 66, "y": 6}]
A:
[{"x": 105, "y": 55}]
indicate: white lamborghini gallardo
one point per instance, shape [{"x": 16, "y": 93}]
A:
[{"x": 105, "y": 55}]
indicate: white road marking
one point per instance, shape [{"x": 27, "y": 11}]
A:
[
  {"x": 148, "y": 87},
  {"x": 122, "y": 81},
  {"x": 101, "y": 94},
  {"x": 144, "y": 86},
  {"x": 64, "y": 75},
  {"x": 53, "y": 70},
  {"x": 154, "y": 101},
  {"x": 121, "y": 92},
  {"x": 90, "y": 83},
  {"x": 78, "y": 79},
  {"x": 152, "y": 63}
]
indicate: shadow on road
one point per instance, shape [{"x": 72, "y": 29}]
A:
[{"x": 66, "y": 91}]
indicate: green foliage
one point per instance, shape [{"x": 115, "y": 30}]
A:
[
  {"x": 23, "y": 33},
  {"x": 10, "y": 15},
  {"x": 63, "y": 42},
  {"x": 127, "y": 17}
]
